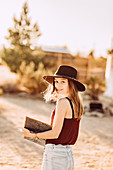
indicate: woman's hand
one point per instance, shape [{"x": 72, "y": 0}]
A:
[{"x": 27, "y": 133}]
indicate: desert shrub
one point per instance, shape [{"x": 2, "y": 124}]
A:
[
  {"x": 30, "y": 79},
  {"x": 1, "y": 91},
  {"x": 9, "y": 88},
  {"x": 14, "y": 58},
  {"x": 95, "y": 86}
]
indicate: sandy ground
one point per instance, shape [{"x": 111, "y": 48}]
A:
[{"x": 93, "y": 150}]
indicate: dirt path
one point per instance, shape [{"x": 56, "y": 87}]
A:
[{"x": 93, "y": 150}]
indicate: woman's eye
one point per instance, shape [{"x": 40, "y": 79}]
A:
[{"x": 60, "y": 81}]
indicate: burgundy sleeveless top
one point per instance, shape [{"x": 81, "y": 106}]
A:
[{"x": 69, "y": 132}]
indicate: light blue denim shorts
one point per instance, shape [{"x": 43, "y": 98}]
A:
[{"x": 57, "y": 157}]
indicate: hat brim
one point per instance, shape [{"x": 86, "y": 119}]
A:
[{"x": 79, "y": 85}]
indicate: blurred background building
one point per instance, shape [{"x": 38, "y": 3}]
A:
[
  {"x": 84, "y": 65},
  {"x": 109, "y": 74}
]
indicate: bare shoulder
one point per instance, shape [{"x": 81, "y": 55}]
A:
[{"x": 63, "y": 102}]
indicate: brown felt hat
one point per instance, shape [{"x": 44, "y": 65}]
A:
[{"x": 67, "y": 72}]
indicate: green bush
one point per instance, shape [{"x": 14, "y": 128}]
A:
[
  {"x": 32, "y": 80},
  {"x": 14, "y": 58},
  {"x": 95, "y": 87}
]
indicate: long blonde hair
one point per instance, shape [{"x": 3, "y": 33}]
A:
[
  {"x": 51, "y": 94},
  {"x": 74, "y": 96}
]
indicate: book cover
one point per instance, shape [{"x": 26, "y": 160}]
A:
[{"x": 36, "y": 126}]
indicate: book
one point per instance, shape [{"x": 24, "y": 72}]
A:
[{"x": 36, "y": 126}]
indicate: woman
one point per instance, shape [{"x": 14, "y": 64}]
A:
[{"x": 65, "y": 119}]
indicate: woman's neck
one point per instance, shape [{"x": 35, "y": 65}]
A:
[{"x": 63, "y": 96}]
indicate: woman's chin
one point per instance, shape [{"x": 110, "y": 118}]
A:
[{"x": 61, "y": 95}]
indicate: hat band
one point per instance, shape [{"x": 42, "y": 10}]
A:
[{"x": 65, "y": 76}]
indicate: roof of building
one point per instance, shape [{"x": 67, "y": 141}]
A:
[{"x": 55, "y": 50}]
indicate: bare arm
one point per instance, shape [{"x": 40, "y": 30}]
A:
[
  {"x": 58, "y": 121},
  {"x": 61, "y": 109}
]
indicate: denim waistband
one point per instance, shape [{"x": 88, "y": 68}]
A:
[{"x": 52, "y": 146}]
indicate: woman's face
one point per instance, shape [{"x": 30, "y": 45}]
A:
[{"x": 62, "y": 86}]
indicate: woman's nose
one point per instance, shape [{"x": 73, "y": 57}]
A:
[{"x": 59, "y": 85}]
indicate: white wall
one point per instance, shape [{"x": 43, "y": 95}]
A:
[{"x": 109, "y": 76}]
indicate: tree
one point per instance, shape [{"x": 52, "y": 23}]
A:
[
  {"x": 21, "y": 38},
  {"x": 95, "y": 87},
  {"x": 23, "y": 33}
]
